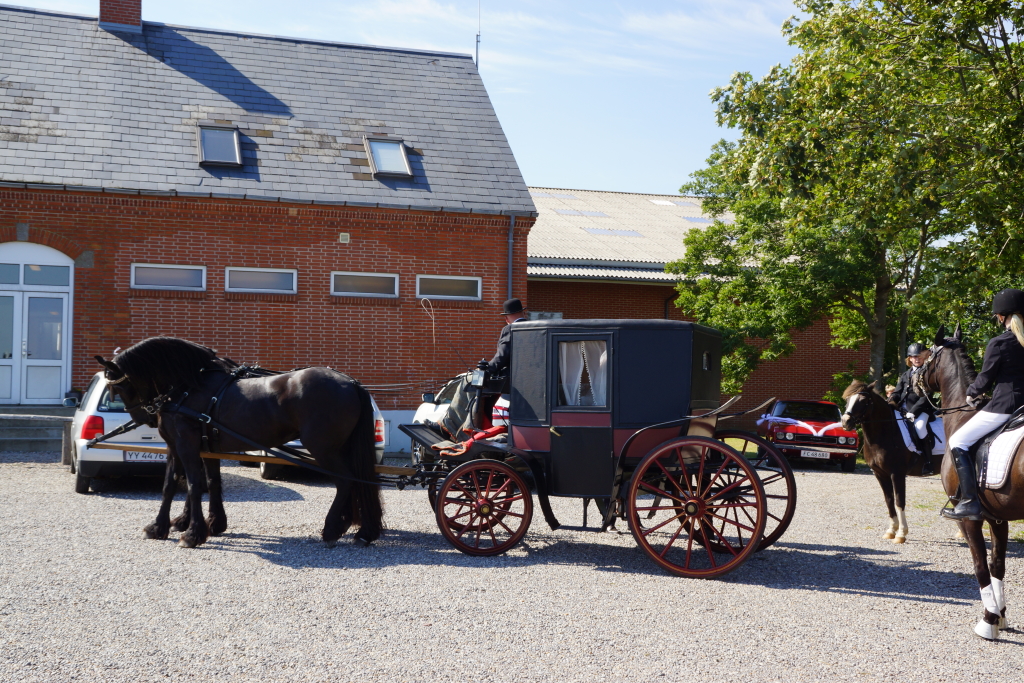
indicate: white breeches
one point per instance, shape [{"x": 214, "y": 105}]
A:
[
  {"x": 921, "y": 424},
  {"x": 978, "y": 426}
]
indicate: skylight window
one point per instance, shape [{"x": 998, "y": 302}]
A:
[
  {"x": 661, "y": 202},
  {"x": 698, "y": 219},
  {"x": 387, "y": 157},
  {"x": 218, "y": 146},
  {"x": 680, "y": 202},
  {"x": 567, "y": 212},
  {"x": 595, "y": 214}
]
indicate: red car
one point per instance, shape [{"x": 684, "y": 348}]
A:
[{"x": 810, "y": 429}]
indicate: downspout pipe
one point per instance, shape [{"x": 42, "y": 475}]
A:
[{"x": 511, "y": 242}]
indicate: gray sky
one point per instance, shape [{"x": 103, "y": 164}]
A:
[{"x": 593, "y": 94}]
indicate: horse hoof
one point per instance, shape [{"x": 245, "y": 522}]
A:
[
  {"x": 1002, "y": 623},
  {"x": 986, "y": 630},
  {"x": 153, "y": 533},
  {"x": 217, "y": 526},
  {"x": 888, "y": 536},
  {"x": 900, "y": 539},
  {"x": 180, "y": 524},
  {"x": 362, "y": 542}
]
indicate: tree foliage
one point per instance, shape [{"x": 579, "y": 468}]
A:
[{"x": 875, "y": 180}]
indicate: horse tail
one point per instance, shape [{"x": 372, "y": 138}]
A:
[{"x": 367, "y": 506}]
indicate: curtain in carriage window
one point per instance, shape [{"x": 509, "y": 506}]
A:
[{"x": 583, "y": 373}]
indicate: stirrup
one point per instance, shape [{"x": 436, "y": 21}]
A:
[{"x": 964, "y": 515}]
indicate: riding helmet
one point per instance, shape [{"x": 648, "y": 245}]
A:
[
  {"x": 915, "y": 349},
  {"x": 1008, "y": 301}
]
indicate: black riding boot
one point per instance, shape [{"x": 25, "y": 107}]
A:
[
  {"x": 927, "y": 446},
  {"x": 969, "y": 506}
]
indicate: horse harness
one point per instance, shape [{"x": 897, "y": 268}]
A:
[{"x": 211, "y": 429}]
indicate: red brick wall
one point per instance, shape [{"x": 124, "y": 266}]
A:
[
  {"x": 379, "y": 341},
  {"x": 807, "y": 373},
  {"x": 128, "y": 12}
]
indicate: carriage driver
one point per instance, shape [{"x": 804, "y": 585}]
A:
[
  {"x": 513, "y": 311},
  {"x": 1003, "y": 369},
  {"x": 917, "y": 409}
]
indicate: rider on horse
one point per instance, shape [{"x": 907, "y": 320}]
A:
[
  {"x": 1003, "y": 369},
  {"x": 915, "y": 407}
]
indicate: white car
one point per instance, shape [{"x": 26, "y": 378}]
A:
[
  {"x": 435, "y": 407},
  {"x": 101, "y": 411}
]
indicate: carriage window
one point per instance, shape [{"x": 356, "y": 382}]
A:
[
  {"x": 274, "y": 280},
  {"x": 364, "y": 284},
  {"x": 153, "y": 276},
  {"x": 583, "y": 373}
]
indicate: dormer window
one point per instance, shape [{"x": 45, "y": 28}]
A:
[
  {"x": 387, "y": 157},
  {"x": 218, "y": 146}
]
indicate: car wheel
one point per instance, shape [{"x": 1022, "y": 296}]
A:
[
  {"x": 848, "y": 464},
  {"x": 81, "y": 483},
  {"x": 270, "y": 470}
]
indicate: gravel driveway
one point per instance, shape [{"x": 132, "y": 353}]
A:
[{"x": 84, "y": 597}]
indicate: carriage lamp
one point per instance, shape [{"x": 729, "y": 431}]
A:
[{"x": 478, "y": 378}]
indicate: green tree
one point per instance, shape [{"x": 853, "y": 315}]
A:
[{"x": 871, "y": 176}]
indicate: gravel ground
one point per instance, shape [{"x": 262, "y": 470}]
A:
[{"x": 83, "y": 597}]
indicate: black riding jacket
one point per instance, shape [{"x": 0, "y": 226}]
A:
[
  {"x": 1003, "y": 369},
  {"x": 907, "y": 398}
]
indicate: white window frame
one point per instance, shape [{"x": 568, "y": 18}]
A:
[
  {"x": 352, "y": 272},
  {"x": 178, "y": 266},
  {"x": 479, "y": 289},
  {"x": 293, "y": 271},
  {"x": 203, "y": 161},
  {"x": 367, "y": 139}
]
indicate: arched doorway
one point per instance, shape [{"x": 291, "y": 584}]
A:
[{"x": 36, "y": 286}]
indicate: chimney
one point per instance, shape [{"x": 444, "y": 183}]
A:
[{"x": 124, "y": 16}]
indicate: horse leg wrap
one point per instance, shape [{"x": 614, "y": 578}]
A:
[
  {"x": 988, "y": 627},
  {"x": 1000, "y": 596}
]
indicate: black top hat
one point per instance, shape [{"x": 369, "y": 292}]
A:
[{"x": 512, "y": 306}]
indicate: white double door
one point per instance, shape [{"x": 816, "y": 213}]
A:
[{"x": 33, "y": 346}]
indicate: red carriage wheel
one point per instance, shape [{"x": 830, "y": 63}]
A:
[
  {"x": 776, "y": 476},
  {"x": 696, "y": 506},
  {"x": 484, "y": 507}
]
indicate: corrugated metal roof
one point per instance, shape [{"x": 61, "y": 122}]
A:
[
  {"x": 585, "y": 226},
  {"x": 567, "y": 272},
  {"x": 83, "y": 107}
]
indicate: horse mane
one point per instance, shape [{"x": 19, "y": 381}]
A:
[
  {"x": 855, "y": 387},
  {"x": 165, "y": 362},
  {"x": 963, "y": 359}
]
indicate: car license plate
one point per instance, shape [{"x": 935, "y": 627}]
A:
[
  {"x": 821, "y": 455},
  {"x": 138, "y": 456}
]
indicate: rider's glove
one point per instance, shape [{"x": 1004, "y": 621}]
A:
[
  {"x": 973, "y": 401},
  {"x": 910, "y": 416}
]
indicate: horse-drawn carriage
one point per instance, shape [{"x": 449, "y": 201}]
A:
[{"x": 623, "y": 413}]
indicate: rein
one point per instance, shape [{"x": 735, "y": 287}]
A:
[{"x": 923, "y": 391}]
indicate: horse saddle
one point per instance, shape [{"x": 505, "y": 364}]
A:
[{"x": 995, "y": 452}]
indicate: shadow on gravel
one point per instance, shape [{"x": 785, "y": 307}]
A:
[
  {"x": 237, "y": 489},
  {"x": 46, "y": 457}
]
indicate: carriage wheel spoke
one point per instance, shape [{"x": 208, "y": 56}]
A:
[
  {"x": 713, "y": 478},
  {"x": 660, "y": 492},
  {"x": 707, "y": 544},
  {"x": 728, "y": 546},
  {"x": 648, "y": 532},
  {"x": 726, "y": 520},
  {"x": 672, "y": 540},
  {"x": 669, "y": 476}
]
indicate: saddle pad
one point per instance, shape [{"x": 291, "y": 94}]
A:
[
  {"x": 937, "y": 429},
  {"x": 1000, "y": 457}
]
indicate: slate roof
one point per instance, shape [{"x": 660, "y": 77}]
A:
[
  {"x": 83, "y": 107},
  {"x": 590, "y": 235}
]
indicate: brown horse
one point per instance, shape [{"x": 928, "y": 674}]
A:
[
  {"x": 885, "y": 451},
  {"x": 950, "y": 370}
]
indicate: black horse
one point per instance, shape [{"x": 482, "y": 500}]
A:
[{"x": 328, "y": 410}]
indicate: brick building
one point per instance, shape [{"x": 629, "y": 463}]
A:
[
  {"x": 287, "y": 202},
  {"x": 603, "y": 255}
]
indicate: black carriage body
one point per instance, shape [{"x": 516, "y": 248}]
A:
[{"x": 581, "y": 388}]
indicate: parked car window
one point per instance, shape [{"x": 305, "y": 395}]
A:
[
  {"x": 815, "y": 412},
  {"x": 109, "y": 403},
  {"x": 88, "y": 392}
]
